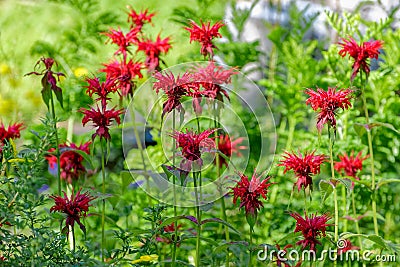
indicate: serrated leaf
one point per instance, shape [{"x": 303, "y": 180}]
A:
[
  {"x": 226, "y": 246},
  {"x": 326, "y": 189},
  {"x": 359, "y": 129}
]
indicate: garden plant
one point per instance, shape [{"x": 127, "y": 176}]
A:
[{"x": 154, "y": 134}]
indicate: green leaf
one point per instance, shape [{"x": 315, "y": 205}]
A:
[
  {"x": 326, "y": 189},
  {"x": 216, "y": 220},
  {"x": 360, "y": 129},
  {"x": 387, "y": 181},
  {"x": 226, "y": 246},
  {"x": 59, "y": 96},
  {"x": 289, "y": 237},
  {"x": 46, "y": 95},
  {"x": 85, "y": 156}
]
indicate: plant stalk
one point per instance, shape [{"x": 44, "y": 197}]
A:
[
  {"x": 53, "y": 115},
  {"x": 103, "y": 215}
]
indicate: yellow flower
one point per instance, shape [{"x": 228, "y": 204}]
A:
[
  {"x": 146, "y": 258},
  {"x": 80, "y": 72},
  {"x": 4, "y": 69}
]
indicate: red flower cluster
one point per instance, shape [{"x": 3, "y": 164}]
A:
[
  {"x": 328, "y": 102},
  {"x": 311, "y": 227},
  {"x": 74, "y": 208},
  {"x": 12, "y": 132},
  {"x": 249, "y": 192},
  {"x": 360, "y": 53},
  {"x": 169, "y": 229},
  {"x": 345, "y": 245},
  {"x": 122, "y": 40},
  {"x": 204, "y": 34},
  {"x": 303, "y": 167},
  {"x": 70, "y": 161},
  {"x": 101, "y": 89},
  {"x": 153, "y": 50},
  {"x": 350, "y": 165},
  {"x": 139, "y": 19},
  {"x": 102, "y": 119},
  {"x": 123, "y": 73},
  {"x": 193, "y": 145},
  {"x": 203, "y": 82},
  {"x": 228, "y": 147}
]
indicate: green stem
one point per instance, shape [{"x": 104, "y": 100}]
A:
[
  {"x": 356, "y": 220},
  {"x": 305, "y": 201},
  {"x": 73, "y": 239},
  {"x": 174, "y": 190},
  {"x": 198, "y": 217},
  {"x": 334, "y": 191},
  {"x": 344, "y": 207},
  {"x": 103, "y": 215},
  {"x": 53, "y": 115},
  {"x": 251, "y": 246},
  {"x": 371, "y": 154}
]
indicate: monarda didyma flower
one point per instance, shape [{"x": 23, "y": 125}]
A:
[
  {"x": 74, "y": 208},
  {"x": 249, "y": 192},
  {"x": 327, "y": 102},
  {"x": 312, "y": 227},
  {"x": 360, "y": 53},
  {"x": 303, "y": 167}
]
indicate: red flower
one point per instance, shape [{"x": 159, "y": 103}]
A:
[
  {"x": 139, "y": 19},
  {"x": 311, "y": 227},
  {"x": 345, "y": 245},
  {"x": 279, "y": 260},
  {"x": 303, "y": 167},
  {"x": 123, "y": 41},
  {"x": 74, "y": 208},
  {"x": 350, "y": 165},
  {"x": 100, "y": 89},
  {"x": 168, "y": 230},
  {"x": 70, "y": 161},
  {"x": 102, "y": 119},
  {"x": 13, "y": 131},
  {"x": 193, "y": 145},
  {"x": 250, "y": 192},
  {"x": 153, "y": 51},
  {"x": 204, "y": 35},
  {"x": 360, "y": 53},
  {"x": 174, "y": 87},
  {"x": 123, "y": 73},
  {"x": 228, "y": 147},
  {"x": 327, "y": 103},
  {"x": 211, "y": 78}
]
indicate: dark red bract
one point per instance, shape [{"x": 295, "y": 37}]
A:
[
  {"x": 204, "y": 34},
  {"x": 360, "y": 53},
  {"x": 122, "y": 40},
  {"x": 303, "y": 167},
  {"x": 102, "y": 119},
  {"x": 192, "y": 146},
  {"x": 74, "y": 208},
  {"x": 327, "y": 102},
  {"x": 101, "y": 89},
  {"x": 153, "y": 50},
  {"x": 312, "y": 227},
  {"x": 123, "y": 74},
  {"x": 249, "y": 192},
  {"x": 139, "y": 19}
]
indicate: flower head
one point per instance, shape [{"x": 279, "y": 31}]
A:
[
  {"x": 311, "y": 227},
  {"x": 123, "y": 73},
  {"x": 303, "y": 167},
  {"x": 168, "y": 232},
  {"x": 174, "y": 87},
  {"x": 102, "y": 119},
  {"x": 204, "y": 34},
  {"x": 153, "y": 50},
  {"x": 350, "y": 164},
  {"x": 193, "y": 145},
  {"x": 74, "y": 208},
  {"x": 360, "y": 53},
  {"x": 122, "y": 40},
  {"x": 327, "y": 102},
  {"x": 70, "y": 161},
  {"x": 229, "y": 147},
  {"x": 139, "y": 19},
  {"x": 249, "y": 192},
  {"x": 12, "y": 132},
  {"x": 101, "y": 89},
  {"x": 211, "y": 78}
]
